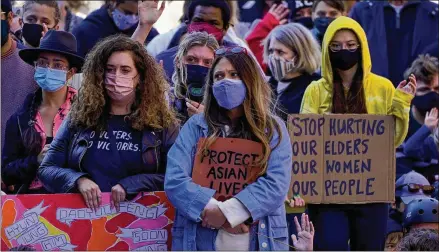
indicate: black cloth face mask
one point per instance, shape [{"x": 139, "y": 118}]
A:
[
  {"x": 344, "y": 59},
  {"x": 32, "y": 33}
]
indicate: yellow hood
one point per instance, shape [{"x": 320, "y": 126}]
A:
[{"x": 336, "y": 25}]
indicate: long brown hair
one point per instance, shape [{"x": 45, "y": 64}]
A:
[
  {"x": 257, "y": 106},
  {"x": 149, "y": 110},
  {"x": 355, "y": 102}
]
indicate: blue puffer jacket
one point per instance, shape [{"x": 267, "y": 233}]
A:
[
  {"x": 264, "y": 198},
  {"x": 61, "y": 167}
]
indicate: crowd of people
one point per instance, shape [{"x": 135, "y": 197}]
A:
[{"x": 106, "y": 104}]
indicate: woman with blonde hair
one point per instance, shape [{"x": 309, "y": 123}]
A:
[
  {"x": 237, "y": 105},
  {"x": 293, "y": 56},
  {"x": 119, "y": 129},
  {"x": 192, "y": 63}
]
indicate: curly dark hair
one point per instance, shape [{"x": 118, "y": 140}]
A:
[{"x": 91, "y": 107}]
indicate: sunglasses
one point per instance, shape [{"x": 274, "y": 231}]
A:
[
  {"x": 230, "y": 50},
  {"x": 427, "y": 189}
]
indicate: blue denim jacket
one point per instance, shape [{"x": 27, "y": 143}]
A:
[{"x": 264, "y": 198}]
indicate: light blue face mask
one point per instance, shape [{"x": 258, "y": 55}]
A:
[
  {"x": 123, "y": 21},
  {"x": 229, "y": 93},
  {"x": 50, "y": 80}
]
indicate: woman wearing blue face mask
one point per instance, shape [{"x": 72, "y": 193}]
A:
[
  {"x": 192, "y": 63},
  {"x": 237, "y": 105},
  {"x": 30, "y": 131}
]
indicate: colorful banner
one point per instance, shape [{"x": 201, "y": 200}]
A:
[{"x": 63, "y": 222}]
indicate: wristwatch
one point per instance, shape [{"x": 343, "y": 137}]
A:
[{"x": 249, "y": 221}]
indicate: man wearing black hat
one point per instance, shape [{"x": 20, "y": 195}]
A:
[
  {"x": 31, "y": 129},
  {"x": 115, "y": 17},
  {"x": 17, "y": 77}
]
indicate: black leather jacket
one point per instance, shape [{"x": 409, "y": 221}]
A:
[{"x": 61, "y": 167}]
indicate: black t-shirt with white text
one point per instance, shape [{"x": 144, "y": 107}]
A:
[{"x": 106, "y": 165}]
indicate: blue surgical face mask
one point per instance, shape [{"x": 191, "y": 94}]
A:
[
  {"x": 50, "y": 80},
  {"x": 229, "y": 93},
  {"x": 124, "y": 21}
]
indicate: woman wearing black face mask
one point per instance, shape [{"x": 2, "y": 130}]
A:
[
  {"x": 35, "y": 15},
  {"x": 192, "y": 63},
  {"x": 348, "y": 87}
]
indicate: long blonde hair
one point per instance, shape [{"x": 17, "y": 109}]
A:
[
  {"x": 257, "y": 106},
  {"x": 179, "y": 76}
]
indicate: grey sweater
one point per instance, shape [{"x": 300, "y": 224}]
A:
[{"x": 17, "y": 82}]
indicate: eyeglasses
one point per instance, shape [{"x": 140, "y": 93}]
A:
[
  {"x": 427, "y": 189},
  {"x": 335, "y": 47},
  {"x": 46, "y": 64},
  {"x": 230, "y": 50}
]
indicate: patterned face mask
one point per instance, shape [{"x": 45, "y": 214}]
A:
[
  {"x": 281, "y": 67},
  {"x": 123, "y": 21}
]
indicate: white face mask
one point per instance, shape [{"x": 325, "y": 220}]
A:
[{"x": 280, "y": 67}]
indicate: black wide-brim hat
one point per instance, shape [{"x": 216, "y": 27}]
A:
[{"x": 60, "y": 42}]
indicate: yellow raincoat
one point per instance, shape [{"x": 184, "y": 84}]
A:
[{"x": 381, "y": 96}]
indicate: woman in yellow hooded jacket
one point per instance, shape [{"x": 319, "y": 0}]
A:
[{"x": 347, "y": 86}]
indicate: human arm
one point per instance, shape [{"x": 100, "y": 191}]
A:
[
  {"x": 147, "y": 182},
  {"x": 400, "y": 100},
  {"x": 305, "y": 234},
  {"x": 53, "y": 173},
  {"x": 416, "y": 146},
  {"x": 148, "y": 15},
  {"x": 17, "y": 168},
  {"x": 268, "y": 192},
  {"x": 188, "y": 197},
  {"x": 277, "y": 15}
]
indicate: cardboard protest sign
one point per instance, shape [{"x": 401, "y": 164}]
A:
[
  {"x": 63, "y": 222},
  {"x": 227, "y": 166},
  {"x": 342, "y": 158}
]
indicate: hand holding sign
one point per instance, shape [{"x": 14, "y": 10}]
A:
[
  {"x": 296, "y": 201},
  {"x": 118, "y": 195},
  {"x": 90, "y": 191}
]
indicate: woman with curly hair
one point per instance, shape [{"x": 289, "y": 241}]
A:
[
  {"x": 119, "y": 129},
  {"x": 237, "y": 105}
]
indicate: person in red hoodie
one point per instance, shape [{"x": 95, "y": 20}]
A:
[{"x": 277, "y": 15}]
